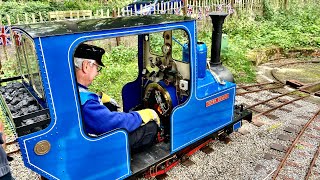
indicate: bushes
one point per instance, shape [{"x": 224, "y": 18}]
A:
[
  {"x": 14, "y": 9},
  {"x": 294, "y": 28},
  {"x": 267, "y": 11},
  {"x": 299, "y": 26},
  {"x": 121, "y": 68}
]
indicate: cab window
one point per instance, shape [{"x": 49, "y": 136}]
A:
[{"x": 28, "y": 62}]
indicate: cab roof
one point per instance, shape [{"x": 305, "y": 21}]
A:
[{"x": 88, "y": 25}]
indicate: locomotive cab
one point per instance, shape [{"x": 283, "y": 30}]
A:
[
  {"x": 161, "y": 83},
  {"x": 172, "y": 77}
]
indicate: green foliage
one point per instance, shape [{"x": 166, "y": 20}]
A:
[
  {"x": 156, "y": 42},
  {"x": 292, "y": 28},
  {"x": 121, "y": 67},
  {"x": 18, "y": 9},
  {"x": 9, "y": 64},
  {"x": 297, "y": 27},
  {"x": 204, "y": 35},
  {"x": 233, "y": 57},
  {"x": 267, "y": 10},
  {"x": 10, "y": 69}
]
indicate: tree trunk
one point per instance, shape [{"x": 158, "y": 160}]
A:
[{"x": 286, "y": 4}]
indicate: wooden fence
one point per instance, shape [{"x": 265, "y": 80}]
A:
[{"x": 195, "y": 8}]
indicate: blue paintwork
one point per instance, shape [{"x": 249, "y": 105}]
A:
[
  {"x": 185, "y": 53},
  {"x": 201, "y": 57},
  {"x": 171, "y": 89},
  {"x": 134, "y": 88},
  {"x": 236, "y": 126},
  {"x": 194, "y": 120},
  {"x": 75, "y": 155}
]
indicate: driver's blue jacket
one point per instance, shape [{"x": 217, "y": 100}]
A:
[{"x": 99, "y": 119}]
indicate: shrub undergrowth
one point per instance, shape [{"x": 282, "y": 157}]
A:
[
  {"x": 18, "y": 9},
  {"x": 121, "y": 67},
  {"x": 297, "y": 27}
]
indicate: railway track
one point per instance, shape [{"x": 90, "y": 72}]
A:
[
  {"x": 264, "y": 107},
  {"x": 284, "y": 100},
  {"x": 312, "y": 163},
  {"x": 19, "y": 171},
  {"x": 241, "y": 90},
  {"x": 285, "y": 159},
  {"x": 12, "y": 147}
]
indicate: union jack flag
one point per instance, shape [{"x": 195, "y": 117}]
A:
[
  {"x": 189, "y": 10},
  {"x": 5, "y": 36},
  {"x": 207, "y": 10},
  {"x": 200, "y": 14},
  {"x": 219, "y": 7},
  {"x": 230, "y": 9},
  {"x": 177, "y": 11},
  {"x": 17, "y": 38}
]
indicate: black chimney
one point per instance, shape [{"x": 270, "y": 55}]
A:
[
  {"x": 217, "y": 22},
  {"x": 215, "y": 62}
]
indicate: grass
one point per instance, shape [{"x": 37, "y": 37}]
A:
[
  {"x": 274, "y": 126},
  {"x": 121, "y": 67},
  {"x": 16, "y": 9},
  {"x": 233, "y": 57},
  {"x": 7, "y": 129}
]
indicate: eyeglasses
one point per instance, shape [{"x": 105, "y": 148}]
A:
[{"x": 99, "y": 68}]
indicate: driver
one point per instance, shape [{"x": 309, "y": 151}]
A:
[{"x": 142, "y": 125}]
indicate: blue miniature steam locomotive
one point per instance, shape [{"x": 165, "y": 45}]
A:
[{"x": 195, "y": 99}]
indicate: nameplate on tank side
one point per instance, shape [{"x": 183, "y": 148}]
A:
[{"x": 217, "y": 100}]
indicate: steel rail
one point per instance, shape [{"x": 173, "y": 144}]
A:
[
  {"x": 11, "y": 143},
  {"x": 277, "y": 87},
  {"x": 15, "y": 151},
  {"x": 294, "y": 144},
  {"x": 312, "y": 164},
  {"x": 277, "y": 107},
  {"x": 255, "y": 85},
  {"x": 262, "y": 102}
]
